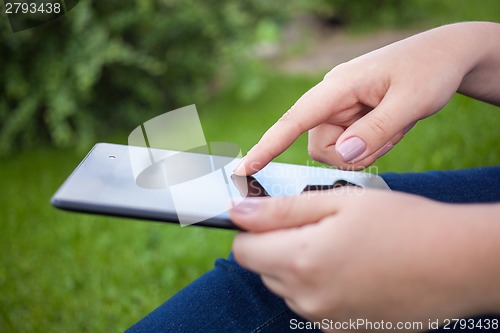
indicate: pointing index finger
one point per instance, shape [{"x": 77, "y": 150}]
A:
[
  {"x": 277, "y": 139},
  {"x": 309, "y": 111}
]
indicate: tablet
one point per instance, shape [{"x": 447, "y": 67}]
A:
[{"x": 188, "y": 188}]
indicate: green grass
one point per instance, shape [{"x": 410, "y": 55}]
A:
[
  {"x": 67, "y": 272},
  {"x": 64, "y": 272}
]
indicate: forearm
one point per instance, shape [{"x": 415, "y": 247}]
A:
[{"x": 468, "y": 52}]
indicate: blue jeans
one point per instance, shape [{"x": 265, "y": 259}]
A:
[{"x": 231, "y": 299}]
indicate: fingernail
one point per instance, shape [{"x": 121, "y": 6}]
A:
[
  {"x": 351, "y": 148},
  {"x": 247, "y": 206},
  {"x": 239, "y": 167},
  {"x": 385, "y": 150}
]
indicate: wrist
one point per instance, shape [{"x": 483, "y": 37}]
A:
[{"x": 480, "y": 81}]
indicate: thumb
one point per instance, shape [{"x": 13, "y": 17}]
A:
[
  {"x": 380, "y": 127},
  {"x": 266, "y": 214}
]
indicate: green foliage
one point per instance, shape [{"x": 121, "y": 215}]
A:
[{"x": 113, "y": 64}]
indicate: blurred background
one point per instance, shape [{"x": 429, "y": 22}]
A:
[{"x": 95, "y": 73}]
